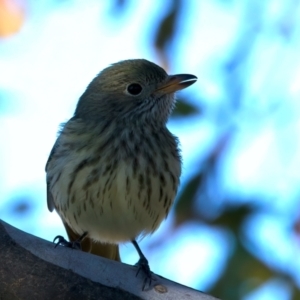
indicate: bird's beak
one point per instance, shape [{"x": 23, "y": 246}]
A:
[{"x": 175, "y": 83}]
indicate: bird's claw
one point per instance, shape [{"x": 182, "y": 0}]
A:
[
  {"x": 62, "y": 241},
  {"x": 143, "y": 266}
]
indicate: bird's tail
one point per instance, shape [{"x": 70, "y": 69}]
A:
[{"x": 110, "y": 251}]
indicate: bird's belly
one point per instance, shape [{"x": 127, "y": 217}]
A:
[{"x": 116, "y": 204}]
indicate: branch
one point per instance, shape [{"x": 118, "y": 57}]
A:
[{"x": 31, "y": 268}]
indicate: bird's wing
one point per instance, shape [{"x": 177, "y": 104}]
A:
[
  {"x": 109, "y": 251},
  {"x": 50, "y": 201}
]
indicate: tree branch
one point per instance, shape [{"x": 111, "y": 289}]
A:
[{"x": 31, "y": 268}]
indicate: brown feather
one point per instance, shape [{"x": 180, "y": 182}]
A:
[{"x": 109, "y": 251}]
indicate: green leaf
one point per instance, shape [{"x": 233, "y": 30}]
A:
[
  {"x": 167, "y": 26},
  {"x": 184, "y": 108},
  {"x": 184, "y": 205}
]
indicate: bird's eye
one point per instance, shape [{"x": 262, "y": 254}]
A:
[{"x": 134, "y": 89}]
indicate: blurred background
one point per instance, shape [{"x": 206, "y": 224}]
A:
[{"x": 234, "y": 230}]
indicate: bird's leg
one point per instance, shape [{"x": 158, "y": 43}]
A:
[
  {"x": 74, "y": 245},
  {"x": 142, "y": 265}
]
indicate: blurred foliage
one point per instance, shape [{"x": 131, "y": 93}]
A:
[
  {"x": 22, "y": 206},
  {"x": 243, "y": 269},
  {"x": 200, "y": 197},
  {"x": 183, "y": 108},
  {"x": 166, "y": 32}
]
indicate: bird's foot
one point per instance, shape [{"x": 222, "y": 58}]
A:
[
  {"x": 74, "y": 244},
  {"x": 63, "y": 242},
  {"x": 143, "y": 266}
]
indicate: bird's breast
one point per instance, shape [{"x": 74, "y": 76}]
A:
[{"x": 120, "y": 189}]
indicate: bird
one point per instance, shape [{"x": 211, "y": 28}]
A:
[{"x": 114, "y": 170}]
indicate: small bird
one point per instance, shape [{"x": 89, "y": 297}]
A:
[{"x": 114, "y": 170}]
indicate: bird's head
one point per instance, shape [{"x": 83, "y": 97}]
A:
[{"x": 133, "y": 91}]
